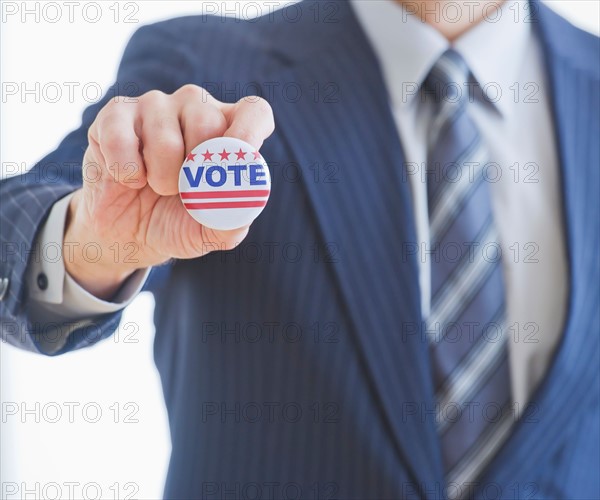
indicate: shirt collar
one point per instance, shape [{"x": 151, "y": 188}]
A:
[{"x": 407, "y": 48}]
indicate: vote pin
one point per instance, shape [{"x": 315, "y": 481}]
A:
[{"x": 224, "y": 183}]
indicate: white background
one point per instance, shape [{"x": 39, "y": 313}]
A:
[{"x": 117, "y": 376}]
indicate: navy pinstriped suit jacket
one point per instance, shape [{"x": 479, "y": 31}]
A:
[{"x": 292, "y": 366}]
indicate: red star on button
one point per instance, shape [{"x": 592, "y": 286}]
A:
[
  {"x": 208, "y": 155},
  {"x": 256, "y": 155},
  {"x": 190, "y": 157},
  {"x": 241, "y": 155},
  {"x": 224, "y": 155}
]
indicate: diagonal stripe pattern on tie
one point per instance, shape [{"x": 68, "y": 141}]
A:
[{"x": 465, "y": 326}]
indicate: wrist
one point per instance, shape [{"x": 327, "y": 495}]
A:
[{"x": 98, "y": 266}]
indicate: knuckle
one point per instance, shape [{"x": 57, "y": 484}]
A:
[
  {"x": 195, "y": 92},
  {"x": 111, "y": 106},
  {"x": 112, "y": 111},
  {"x": 152, "y": 96}
]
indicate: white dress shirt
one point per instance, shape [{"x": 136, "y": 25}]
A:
[{"x": 504, "y": 56}]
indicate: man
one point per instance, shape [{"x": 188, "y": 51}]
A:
[{"x": 415, "y": 313}]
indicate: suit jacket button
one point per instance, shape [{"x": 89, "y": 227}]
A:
[
  {"x": 4, "y": 282},
  {"x": 42, "y": 281}
]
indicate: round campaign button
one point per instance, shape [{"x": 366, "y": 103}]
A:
[{"x": 224, "y": 183}]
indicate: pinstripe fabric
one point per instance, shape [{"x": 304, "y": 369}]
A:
[
  {"x": 340, "y": 336},
  {"x": 553, "y": 452},
  {"x": 468, "y": 369}
]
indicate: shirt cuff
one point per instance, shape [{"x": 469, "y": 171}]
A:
[{"x": 52, "y": 288}]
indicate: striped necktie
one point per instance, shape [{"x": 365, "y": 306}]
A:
[{"x": 465, "y": 325}]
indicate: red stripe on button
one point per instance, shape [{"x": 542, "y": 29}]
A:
[
  {"x": 252, "y": 193},
  {"x": 225, "y": 204}
]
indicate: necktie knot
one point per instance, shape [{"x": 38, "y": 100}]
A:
[{"x": 448, "y": 80}]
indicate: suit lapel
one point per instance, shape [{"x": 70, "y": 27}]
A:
[
  {"x": 347, "y": 146},
  {"x": 574, "y": 93},
  {"x": 342, "y": 124},
  {"x": 574, "y": 99}
]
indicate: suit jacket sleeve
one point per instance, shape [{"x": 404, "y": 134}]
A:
[{"x": 153, "y": 59}]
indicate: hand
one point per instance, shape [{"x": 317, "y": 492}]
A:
[{"x": 129, "y": 205}]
